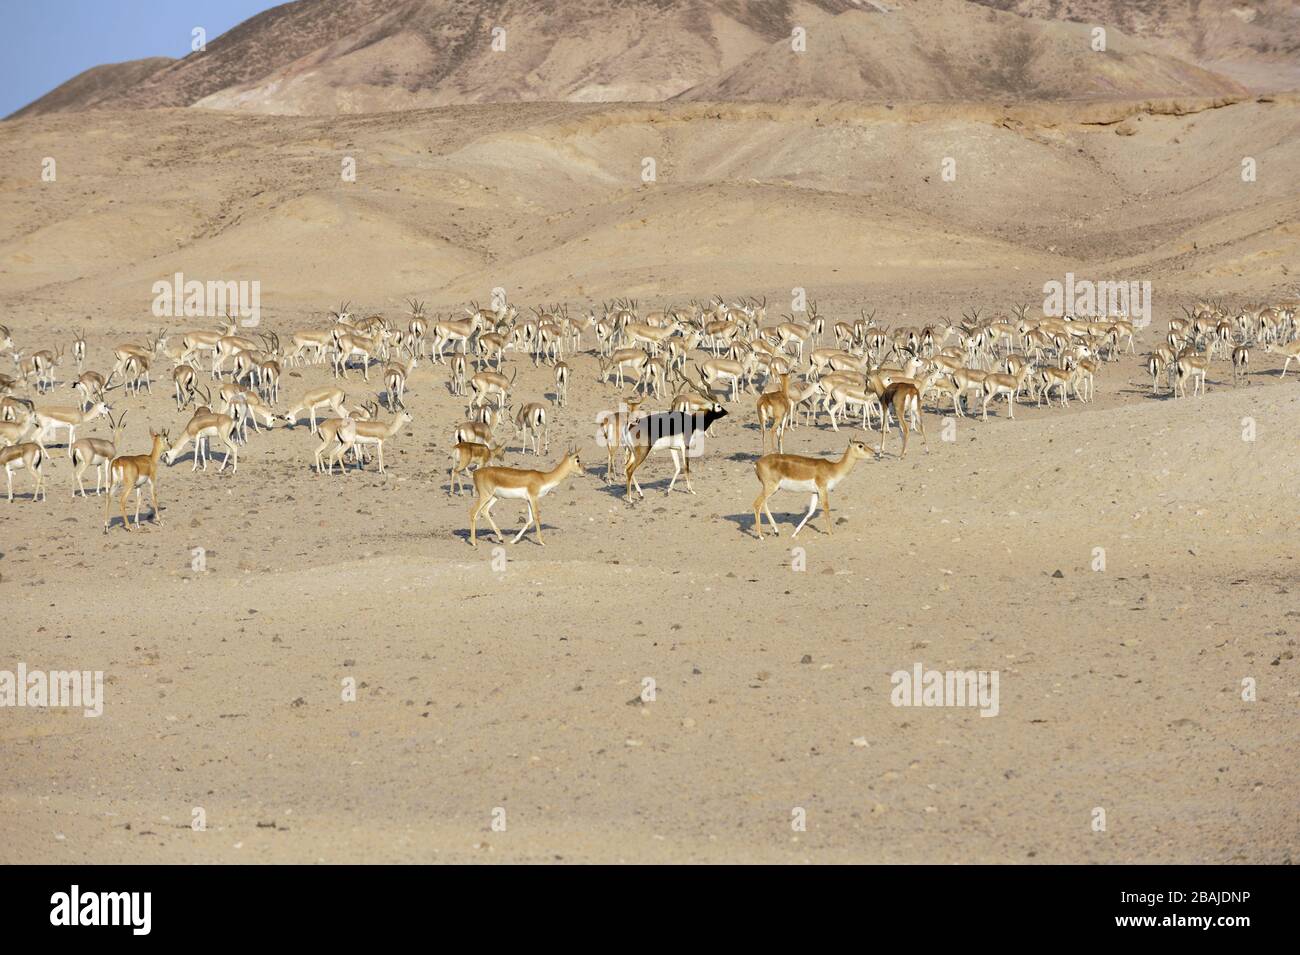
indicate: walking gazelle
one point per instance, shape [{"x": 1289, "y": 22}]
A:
[
  {"x": 491, "y": 483},
  {"x": 794, "y": 472}
]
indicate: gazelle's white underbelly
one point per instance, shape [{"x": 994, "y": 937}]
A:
[
  {"x": 789, "y": 485},
  {"x": 515, "y": 493}
]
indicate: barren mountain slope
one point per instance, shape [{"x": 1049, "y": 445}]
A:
[
  {"x": 93, "y": 87},
  {"x": 330, "y": 56},
  {"x": 1256, "y": 42},
  {"x": 951, "y": 49}
]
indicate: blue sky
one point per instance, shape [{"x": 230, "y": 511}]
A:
[{"x": 49, "y": 41}]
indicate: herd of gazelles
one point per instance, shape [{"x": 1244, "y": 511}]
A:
[{"x": 872, "y": 370}]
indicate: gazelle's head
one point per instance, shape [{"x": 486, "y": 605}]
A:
[{"x": 859, "y": 449}]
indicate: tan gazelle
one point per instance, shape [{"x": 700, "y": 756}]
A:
[
  {"x": 814, "y": 476},
  {"x": 517, "y": 484}
]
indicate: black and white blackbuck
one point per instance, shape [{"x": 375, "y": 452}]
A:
[{"x": 678, "y": 432}]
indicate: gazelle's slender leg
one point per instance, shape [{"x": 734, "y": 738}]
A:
[
  {"x": 527, "y": 523},
  {"x": 677, "y": 469},
  {"x": 487, "y": 512},
  {"x": 767, "y": 509},
  {"x": 812, "y": 509}
]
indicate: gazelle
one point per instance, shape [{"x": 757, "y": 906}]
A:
[
  {"x": 468, "y": 455},
  {"x": 491, "y": 384},
  {"x": 13, "y": 408},
  {"x": 633, "y": 360},
  {"x": 1290, "y": 351},
  {"x": 40, "y": 365},
  {"x": 774, "y": 413},
  {"x": 1049, "y": 377},
  {"x": 97, "y": 451},
  {"x": 904, "y": 400},
  {"x": 313, "y": 400},
  {"x": 1240, "y": 364},
  {"x": 417, "y": 328},
  {"x": 317, "y": 341},
  {"x": 79, "y": 349},
  {"x": 124, "y": 352},
  {"x": 328, "y": 433},
  {"x": 729, "y": 372},
  {"x": 996, "y": 383},
  {"x": 90, "y": 385},
  {"x": 349, "y": 345},
  {"x": 1156, "y": 366},
  {"x": 481, "y": 430},
  {"x": 459, "y": 373},
  {"x": 132, "y": 472},
  {"x": 457, "y": 333},
  {"x": 1191, "y": 366},
  {"x": 205, "y": 341},
  {"x": 135, "y": 375},
  {"x": 244, "y": 405},
  {"x": 184, "y": 379},
  {"x": 530, "y": 421},
  {"x": 201, "y": 427},
  {"x": 49, "y": 421},
  {"x": 365, "y": 433},
  {"x": 492, "y": 483},
  {"x": 15, "y": 432},
  {"x": 395, "y": 375},
  {"x": 561, "y": 384},
  {"x": 793, "y": 472},
  {"x": 27, "y": 456},
  {"x": 844, "y": 395},
  {"x": 613, "y": 431}
]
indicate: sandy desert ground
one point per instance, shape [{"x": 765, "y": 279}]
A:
[{"x": 482, "y": 688}]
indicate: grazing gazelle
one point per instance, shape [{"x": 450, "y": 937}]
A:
[
  {"x": 491, "y": 483},
  {"x": 794, "y": 472},
  {"x": 204, "y": 425},
  {"x": 184, "y": 378},
  {"x": 27, "y": 456},
  {"x": 468, "y": 455},
  {"x": 1290, "y": 351},
  {"x": 312, "y": 400},
  {"x": 132, "y": 472}
]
